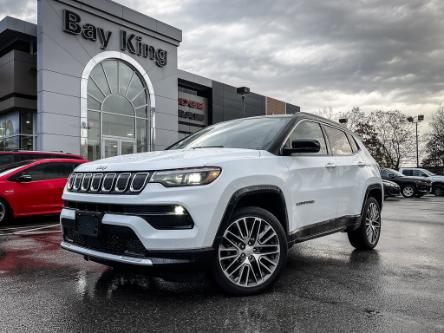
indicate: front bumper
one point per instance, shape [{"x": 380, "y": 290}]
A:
[
  {"x": 199, "y": 258},
  {"x": 392, "y": 191},
  {"x": 424, "y": 188},
  {"x": 137, "y": 235},
  {"x": 92, "y": 254}
]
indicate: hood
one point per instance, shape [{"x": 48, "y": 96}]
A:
[
  {"x": 437, "y": 178},
  {"x": 170, "y": 159}
]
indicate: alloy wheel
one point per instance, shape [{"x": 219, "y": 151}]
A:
[
  {"x": 372, "y": 223},
  {"x": 249, "y": 251},
  {"x": 408, "y": 191}
]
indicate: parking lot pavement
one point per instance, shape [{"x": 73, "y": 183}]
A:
[{"x": 327, "y": 286}]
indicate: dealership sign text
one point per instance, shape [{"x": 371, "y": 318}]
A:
[{"x": 129, "y": 42}]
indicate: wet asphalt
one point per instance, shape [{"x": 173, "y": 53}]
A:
[{"x": 326, "y": 287}]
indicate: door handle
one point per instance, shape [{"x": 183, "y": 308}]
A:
[
  {"x": 361, "y": 164},
  {"x": 330, "y": 165}
]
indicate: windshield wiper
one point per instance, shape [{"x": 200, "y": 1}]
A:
[{"x": 198, "y": 147}]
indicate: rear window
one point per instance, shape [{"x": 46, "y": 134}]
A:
[
  {"x": 353, "y": 143},
  {"x": 339, "y": 143}
]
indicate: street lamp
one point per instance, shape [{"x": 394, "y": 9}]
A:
[
  {"x": 243, "y": 91},
  {"x": 416, "y": 120}
]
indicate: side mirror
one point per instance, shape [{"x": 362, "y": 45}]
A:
[
  {"x": 303, "y": 146},
  {"x": 24, "y": 178}
]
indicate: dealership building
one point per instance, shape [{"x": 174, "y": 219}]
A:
[{"x": 99, "y": 79}]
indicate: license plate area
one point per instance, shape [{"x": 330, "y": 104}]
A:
[{"x": 88, "y": 223}]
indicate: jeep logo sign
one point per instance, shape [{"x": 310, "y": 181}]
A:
[{"x": 129, "y": 42}]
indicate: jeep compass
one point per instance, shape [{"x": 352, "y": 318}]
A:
[{"x": 234, "y": 196}]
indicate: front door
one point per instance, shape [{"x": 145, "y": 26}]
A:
[
  {"x": 311, "y": 176},
  {"x": 113, "y": 146}
]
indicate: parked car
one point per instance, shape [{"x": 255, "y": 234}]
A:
[
  {"x": 391, "y": 189},
  {"x": 33, "y": 187},
  {"x": 437, "y": 180},
  {"x": 410, "y": 186},
  {"x": 7, "y": 157},
  {"x": 234, "y": 196}
]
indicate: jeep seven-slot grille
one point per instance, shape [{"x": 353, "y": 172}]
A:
[{"x": 109, "y": 182}]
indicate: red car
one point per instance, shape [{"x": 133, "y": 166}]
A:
[
  {"x": 34, "y": 187},
  {"x": 7, "y": 157}
]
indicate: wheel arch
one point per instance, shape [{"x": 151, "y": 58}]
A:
[
  {"x": 376, "y": 191},
  {"x": 268, "y": 197}
]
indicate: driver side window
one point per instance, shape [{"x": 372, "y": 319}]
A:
[{"x": 308, "y": 130}]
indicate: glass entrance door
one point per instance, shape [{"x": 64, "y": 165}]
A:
[{"x": 117, "y": 146}]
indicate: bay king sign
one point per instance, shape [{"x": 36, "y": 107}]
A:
[{"x": 128, "y": 41}]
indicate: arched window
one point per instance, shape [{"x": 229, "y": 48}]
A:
[{"x": 118, "y": 110}]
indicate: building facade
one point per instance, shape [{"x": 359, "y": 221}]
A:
[{"x": 99, "y": 79}]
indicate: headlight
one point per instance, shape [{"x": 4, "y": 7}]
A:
[{"x": 186, "y": 177}]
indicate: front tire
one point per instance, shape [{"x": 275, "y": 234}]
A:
[
  {"x": 5, "y": 212},
  {"x": 251, "y": 250},
  {"x": 366, "y": 237},
  {"x": 408, "y": 191}
]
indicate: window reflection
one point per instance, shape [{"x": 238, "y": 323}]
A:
[
  {"x": 17, "y": 130},
  {"x": 118, "y": 108}
]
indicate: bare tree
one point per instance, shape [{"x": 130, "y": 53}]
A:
[
  {"x": 326, "y": 112},
  {"x": 396, "y": 135},
  {"x": 435, "y": 144},
  {"x": 355, "y": 118}
]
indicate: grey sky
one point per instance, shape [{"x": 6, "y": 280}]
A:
[{"x": 317, "y": 54}]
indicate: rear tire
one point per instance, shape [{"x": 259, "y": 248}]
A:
[
  {"x": 439, "y": 192},
  {"x": 408, "y": 191},
  {"x": 251, "y": 250},
  {"x": 366, "y": 237},
  {"x": 5, "y": 212}
]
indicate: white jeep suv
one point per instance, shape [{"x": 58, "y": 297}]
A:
[{"x": 234, "y": 196}]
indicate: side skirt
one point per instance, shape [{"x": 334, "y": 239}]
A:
[{"x": 324, "y": 228}]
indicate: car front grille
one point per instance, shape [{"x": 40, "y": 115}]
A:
[
  {"x": 111, "y": 239},
  {"x": 108, "y": 183}
]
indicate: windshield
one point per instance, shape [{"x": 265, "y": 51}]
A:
[
  {"x": 395, "y": 172},
  {"x": 427, "y": 172},
  {"x": 248, "y": 133}
]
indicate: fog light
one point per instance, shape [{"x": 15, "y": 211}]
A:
[{"x": 179, "y": 210}]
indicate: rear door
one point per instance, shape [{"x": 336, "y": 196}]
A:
[
  {"x": 43, "y": 193},
  {"x": 311, "y": 178},
  {"x": 349, "y": 167}
]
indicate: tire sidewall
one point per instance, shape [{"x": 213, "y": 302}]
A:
[
  {"x": 7, "y": 212},
  {"x": 363, "y": 226},
  {"x": 219, "y": 275},
  {"x": 438, "y": 191}
]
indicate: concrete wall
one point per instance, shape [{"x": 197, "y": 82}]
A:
[
  {"x": 227, "y": 104},
  {"x": 18, "y": 83},
  {"x": 62, "y": 58},
  {"x": 7, "y": 74}
]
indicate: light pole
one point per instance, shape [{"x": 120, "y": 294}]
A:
[
  {"x": 416, "y": 120},
  {"x": 243, "y": 91}
]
